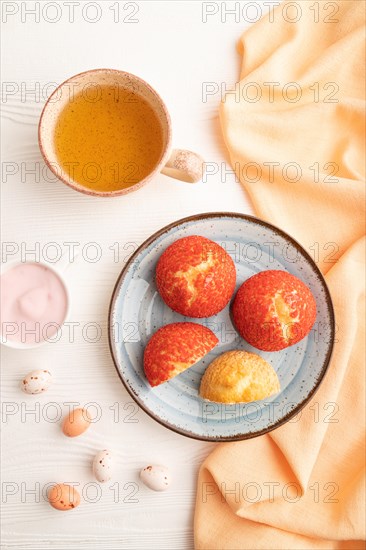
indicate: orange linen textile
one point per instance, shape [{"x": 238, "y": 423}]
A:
[{"x": 302, "y": 486}]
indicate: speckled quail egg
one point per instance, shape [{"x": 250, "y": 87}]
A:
[
  {"x": 36, "y": 381},
  {"x": 103, "y": 465},
  {"x": 156, "y": 477},
  {"x": 63, "y": 497},
  {"x": 76, "y": 422}
]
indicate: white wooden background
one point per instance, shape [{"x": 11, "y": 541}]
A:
[{"x": 173, "y": 49}]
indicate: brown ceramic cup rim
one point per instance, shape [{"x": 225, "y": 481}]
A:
[{"x": 86, "y": 190}]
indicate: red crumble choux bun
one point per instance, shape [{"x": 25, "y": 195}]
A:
[
  {"x": 174, "y": 348},
  {"x": 273, "y": 310},
  {"x": 195, "y": 277}
]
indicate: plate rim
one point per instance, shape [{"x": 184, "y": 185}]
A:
[{"x": 328, "y": 298}]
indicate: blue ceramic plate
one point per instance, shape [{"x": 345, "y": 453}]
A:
[{"x": 137, "y": 311}]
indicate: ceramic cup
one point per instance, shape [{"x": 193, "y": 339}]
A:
[
  {"x": 5, "y": 334},
  {"x": 177, "y": 163}
]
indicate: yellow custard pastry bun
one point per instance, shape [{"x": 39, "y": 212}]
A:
[{"x": 239, "y": 377}]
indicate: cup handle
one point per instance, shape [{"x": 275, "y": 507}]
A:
[{"x": 184, "y": 165}]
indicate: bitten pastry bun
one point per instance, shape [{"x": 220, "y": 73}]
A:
[
  {"x": 239, "y": 377},
  {"x": 273, "y": 310},
  {"x": 195, "y": 277},
  {"x": 174, "y": 348}
]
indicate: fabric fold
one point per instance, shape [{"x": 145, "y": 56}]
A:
[{"x": 302, "y": 163}]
